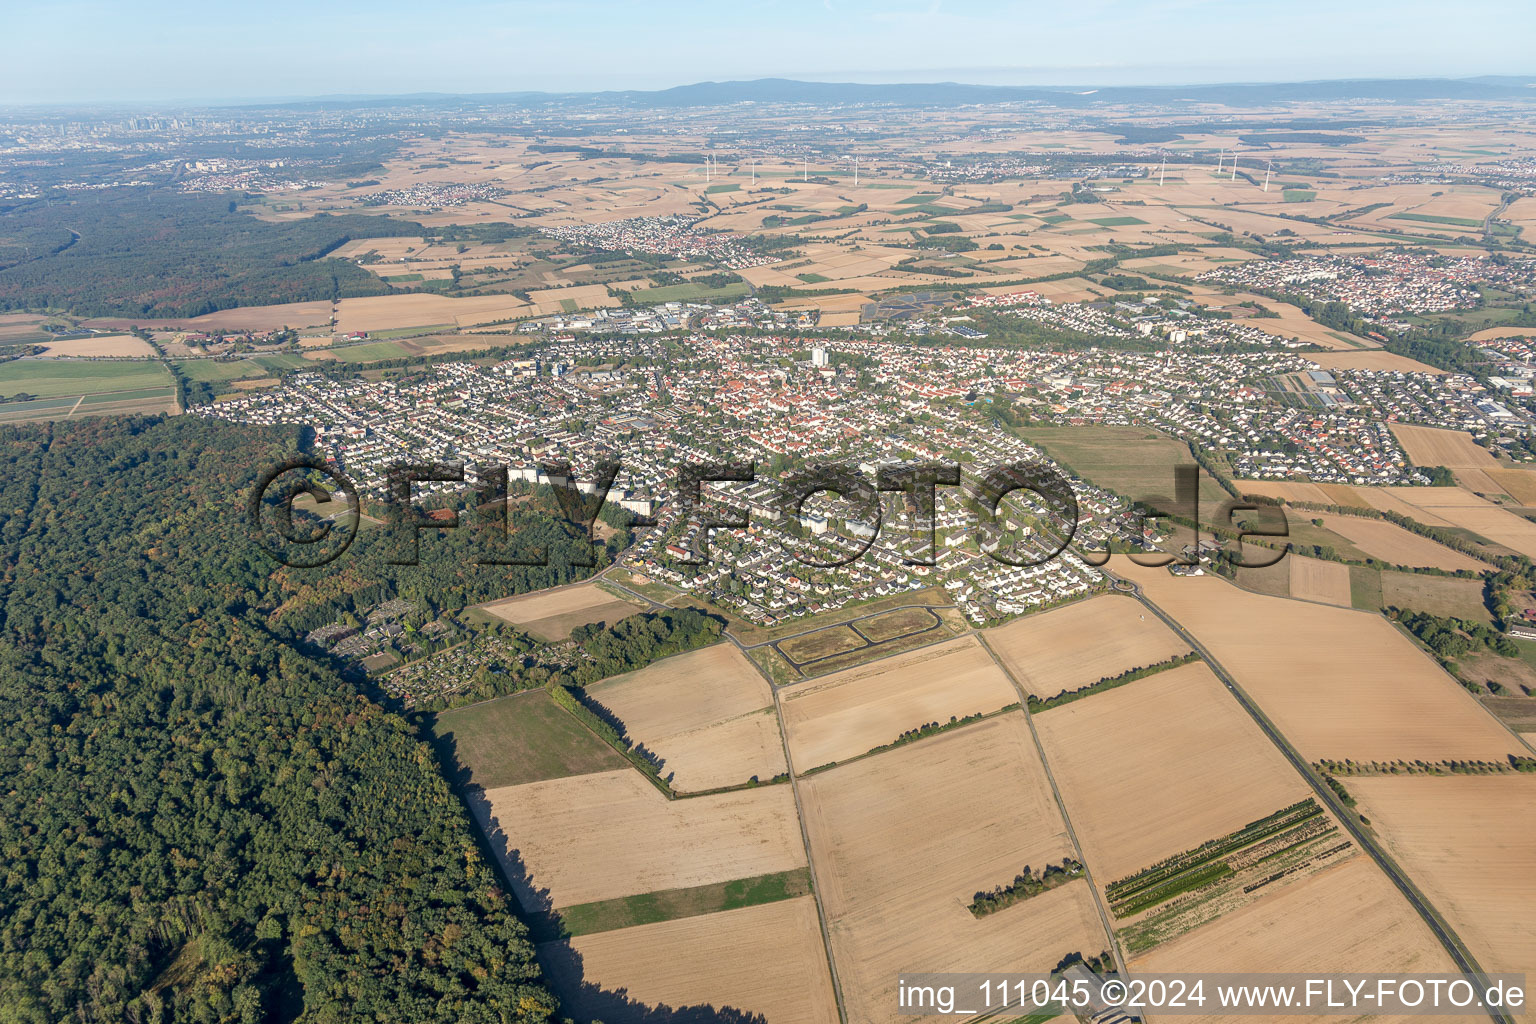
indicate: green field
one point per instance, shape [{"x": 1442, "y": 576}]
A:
[
  {"x": 410, "y": 332},
  {"x": 689, "y": 291},
  {"x": 1461, "y": 222},
  {"x": 216, "y": 370},
  {"x": 367, "y": 352},
  {"x": 723, "y": 188},
  {"x": 526, "y": 737},
  {"x": 55, "y": 378},
  {"x": 1131, "y": 461},
  {"x": 1115, "y": 222},
  {"x": 813, "y": 278},
  {"x": 1437, "y": 595},
  {"x": 118, "y": 397},
  {"x": 671, "y": 904},
  {"x": 1299, "y": 195},
  {"x": 921, "y": 197}
]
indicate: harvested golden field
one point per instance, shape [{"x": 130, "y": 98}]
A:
[
  {"x": 707, "y": 714},
  {"x": 1490, "y": 333},
  {"x": 1438, "y": 595},
  {"x": 606, "y": 834},
  {"x": 243, "y": 318},
  {"x": 1519, "y": 484},
  {"x": 1337, "y": 683},
  {"x": 1373, "y": 359},
  {"x": 1313, "y": 579},
  {"x": 1463, "y": 509},
  {"x": 1345, "y": 918},
  {"x": 1469, "y": 841},
  {"x": 388, "y": 312},
  {"x": 903, "y": 840},
  {"x": 767, "y": 959},
  {"x": 1159, "y": 766},
  {"x": 1082, "y": 643},
  {"x": 1391, "y": 543},
  {"x": 848, "y": 713},
  {"x": 1430, "y": 446},
  {"x": 565, "y": 300},
  {"x": 100, "y": 345},
  {"x": 1287, "y": 490},
  {"x": 552, "y": 614}
]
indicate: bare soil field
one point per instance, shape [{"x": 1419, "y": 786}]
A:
[
  {"x": 1467, "y": 840},
  {"x": 1391, "y": 543},
  {"x": 849, "y": 713},
  {"x": 1337, "y": 683},
  {"x": 606, "y": 834},
  {"x": 767, "y": 959},
  {"x": 1082, "y": 643},
  {"x": 1429, "y": 446},
  {"x": 100, "y": 345},
  {"x": 823, "y": 643},
  {"x": 1161, "y": 765},
  {"x": 1348, "y": 917},
  {"x": 707, "y": 714},
  {"x": 552, "y": 614},
  {"x": 895, "y": 893},
  {"x": 906, "y": 621},
  {"x": 1313, "y": 579}
]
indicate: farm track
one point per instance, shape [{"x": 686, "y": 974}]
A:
[{"x": 1442, "y": 930}]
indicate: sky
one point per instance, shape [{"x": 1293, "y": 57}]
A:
[{"x": 149, "y": 51}]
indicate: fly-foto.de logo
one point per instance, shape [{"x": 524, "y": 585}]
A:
[{"x": 1020, "y": 513}]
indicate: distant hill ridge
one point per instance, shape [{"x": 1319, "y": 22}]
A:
[{"x": 954, "y": 94}]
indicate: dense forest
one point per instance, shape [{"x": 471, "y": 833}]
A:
[
  {"x": 200, "y": 821},
  {"x": 88, "y": 254}
]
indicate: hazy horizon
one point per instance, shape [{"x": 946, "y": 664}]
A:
[{"x": 173, "y": 52}]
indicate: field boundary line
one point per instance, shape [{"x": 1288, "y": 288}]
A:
[
  {"x": 805, "y": 835},
  {"x": 1098, "y": 901}
]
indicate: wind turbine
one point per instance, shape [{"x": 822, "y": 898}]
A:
[
  {"x": 1221, "y": 158},
  {"x": 754, "y": 172},
  {"x": 805, "y": 168},
  {"x": 1161, "y": 168},
  {"x": 1266, "y": 175},
  {"x": 1234, "y": 165}
]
